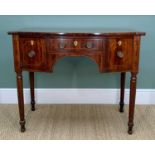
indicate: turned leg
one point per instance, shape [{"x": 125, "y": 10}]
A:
[
  {"x": 132, "y": 101},
  {"x": 31, "y": 77},
  {"x": 122, "y": 85},
  {"x": 21, "y": 101}
]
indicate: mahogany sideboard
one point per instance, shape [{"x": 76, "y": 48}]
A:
[{"x": 113, "y": 51}]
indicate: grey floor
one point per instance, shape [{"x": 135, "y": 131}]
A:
[{"x": 77, "y": 122}]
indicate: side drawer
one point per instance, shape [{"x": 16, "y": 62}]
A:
[
  {"x": 119, "y": 54},
  {"x": 33, "y": 53}
]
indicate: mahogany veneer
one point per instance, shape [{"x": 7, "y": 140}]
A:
[{"x": 112, "y": 51}]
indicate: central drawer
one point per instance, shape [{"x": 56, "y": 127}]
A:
[{"x": 71, "y": 44}]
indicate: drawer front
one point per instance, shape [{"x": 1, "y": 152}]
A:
[
  {"x": 33, "y": 53},
  {"x": 70, "y": 44},
  {"x": 119, "y": 54}
]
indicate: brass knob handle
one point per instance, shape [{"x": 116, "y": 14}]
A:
[
  {"x": 120, "y": 54},
  {"x": 89, "y": 45},
  {"x": 75, "y": 43},
  {"x": 31, "y": 54},
  {"x": 62, "y": 45}
]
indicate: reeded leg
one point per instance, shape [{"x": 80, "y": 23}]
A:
[
  {"x": 31, "y": 77},
  {"x": 21, "y": 101},
  {"x": 133, "y": 81},
  {"x": 122, "y": 81}
]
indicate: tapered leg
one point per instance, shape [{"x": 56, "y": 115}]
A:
[
  {"x": 133, "y": 81},
  {"x": 31, "y": 77},
  {"x": 21, "y": 101},
  {"x": 122, "y": 81}
]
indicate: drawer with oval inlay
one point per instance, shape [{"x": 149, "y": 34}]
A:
[
  {"x": 32, "y": 53},
  {"x": 119, "y": 53}
]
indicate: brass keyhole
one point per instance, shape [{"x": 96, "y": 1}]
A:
[
  {"x": 32, "y": 42},
  {"x": 119, "y": 43},
  {"x": 75, "y": 43}
]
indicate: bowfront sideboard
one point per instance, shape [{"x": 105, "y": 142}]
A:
[{"x": 113, "y": 51}]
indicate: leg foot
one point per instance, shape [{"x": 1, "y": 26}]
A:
[
  {"x": 130, "y": 126},
  {"x": 33, "y": 105},
  {"x": 130, "y": 131},
  {"x": 22, "y": 126},
  {"x": 121, "y": 109}
]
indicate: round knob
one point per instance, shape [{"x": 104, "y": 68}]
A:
[
  {"x": 31, "y": 54},
  {"x": 89, "y": 45},
  {"x": 120, "y": 54},
  {"x": 62, "y": 45}
]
